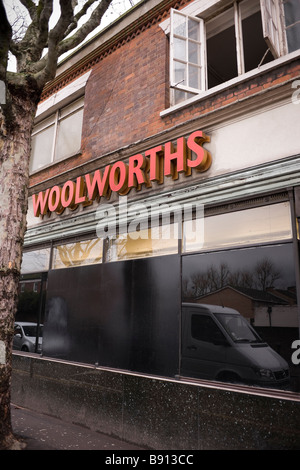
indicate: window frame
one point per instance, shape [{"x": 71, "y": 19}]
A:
[
  {"x": 186, "y": 63},
  {"x": 277, "y": 52},
  {"x": 273, "y": 28},
  {"x": 262, "y": 238},
  {"x": 54, "y": 119}
]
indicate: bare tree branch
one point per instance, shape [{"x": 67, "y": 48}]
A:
[
  {"x": 58, "y": 44},
  {"x": 54, "y": 37},
  {"x": 30, "y": 6},
  {"x": 30, "y": 48},
  {"x": 78, "y": 16},
  {"x": 5, "y": 38},
  {"x": 34, "y": 69},
  {"x": 94, "y": 21}
]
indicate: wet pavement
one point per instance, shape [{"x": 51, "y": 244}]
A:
[{"x": 43, "y": 432}]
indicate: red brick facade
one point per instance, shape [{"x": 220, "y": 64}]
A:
[{"x": 129, "y": 87}]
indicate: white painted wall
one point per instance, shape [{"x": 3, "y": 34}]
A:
[
  {"x": 262, "y": 137},
  {"x": 282, "y": 315}
]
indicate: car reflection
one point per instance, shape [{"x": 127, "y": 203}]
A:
[
  {"x": 219, "y": 344},
  {"x": 25, "y": 334}
]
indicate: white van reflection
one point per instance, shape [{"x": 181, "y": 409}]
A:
[
  {"x": 219, "y": 344},
  {"x": 25, "y": 337}
]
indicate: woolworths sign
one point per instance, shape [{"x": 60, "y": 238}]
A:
[{"x": 166, "y": 160}]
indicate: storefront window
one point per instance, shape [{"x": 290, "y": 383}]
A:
[
  {"x": 252, "y": 343},
  {"x": 155, "y": 241},
  {"x": 244, "y": 227},
  {"x": 35, "y": 261},
  {"x": 77, "y": 254}
]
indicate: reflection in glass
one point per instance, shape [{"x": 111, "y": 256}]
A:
[
  {"x": 193, "y": 29},
  {"x": 194, "y": 76},
  {"x": 179, "y": 49},
  {"x": 25, "y": 337},
  {"x": 259, "y": 283},
  {"x": 194, "y": 52},
  {"x": 77, "y": 254},
  {"x": 292, "y": 22},
  {"x": 69, "y": 135},
  {"x": 149, "y": 242},
  {"x": 219, "y": 344},
  {"x": 35, "y": 261},
  {"x": 250, "y": 226},
  {"x": 179, "y": 24},
  {"x": 180, "y": 73},
  {"x": 238, "y": 329},
  {"x": 42, "y": 144}
]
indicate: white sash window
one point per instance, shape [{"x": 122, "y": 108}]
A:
[{"x": 211, "y": 49}]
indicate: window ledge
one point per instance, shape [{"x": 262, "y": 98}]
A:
[
  {"x": 63, "y": 97},
  {"x": 231, "y": 83}
]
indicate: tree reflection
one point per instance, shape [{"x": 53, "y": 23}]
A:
[
  {"x": 80, "y": 253},
  {"x": 262, "y": 277}
]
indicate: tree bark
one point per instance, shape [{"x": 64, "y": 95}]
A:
[
  {"x": 23, "y": 90},
  {"x": 14, "y": 181}
]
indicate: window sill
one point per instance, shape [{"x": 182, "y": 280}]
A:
[{"x": 231, "y": 83}]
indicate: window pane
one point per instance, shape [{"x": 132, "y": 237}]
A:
[
  {"x": 293, "y": 37},
  {"x": 43, "y": 124},
  {"x": 179, "y": 73},
  {"x": 179, "y": 25},
  {"x": 41, "y": 148},
  {"x": 77, "y": 254},
  {"x": 257, "y": 225},
  {"x": 271, "y": 26},
  {"x": 74, "y": 106},
  {"x": 260, "y": 284},
  {"x": 69, "y": 135},
  {"x": 179, "y": 96},
  {"x": 35, "y": 261},
  {"x": 194, "y": 77},
  {"x": 179, "y": 49},
  {"x": 193, "y": 29},
  {"x": 194, "y": 52},
  {"x": 291, "y": 11},
  {"x": 150, "y": 242}
]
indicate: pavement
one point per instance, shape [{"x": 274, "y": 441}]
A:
[{"x": 43, "y": 432}]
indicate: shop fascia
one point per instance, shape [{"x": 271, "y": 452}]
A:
[{"x": 164, "y": 160}]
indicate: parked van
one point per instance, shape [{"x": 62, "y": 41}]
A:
[{"x": 219, "y": 344}]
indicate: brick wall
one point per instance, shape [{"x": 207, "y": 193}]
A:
[
  {"x": 125, "y": 94},
  {"x": 128, "y": 89}
]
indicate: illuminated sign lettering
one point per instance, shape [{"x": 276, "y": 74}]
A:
[{"x": 120, "y": 177}]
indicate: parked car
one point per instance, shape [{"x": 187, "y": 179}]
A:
[{"x": 25, "y": 337}]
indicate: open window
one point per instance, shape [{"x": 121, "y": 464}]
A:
[
  {"x": 210, "y": 50},
  {"x": 187, "y": 51},
  {"x": 272, "y": 21}
]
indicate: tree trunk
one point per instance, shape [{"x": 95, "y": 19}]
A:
[{"x": 14, "y": 179}]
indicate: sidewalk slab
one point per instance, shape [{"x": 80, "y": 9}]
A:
[{"x": 43, "y": 432}]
